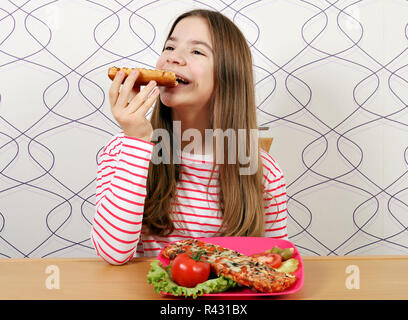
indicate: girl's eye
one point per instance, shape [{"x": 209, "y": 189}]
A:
[
  {"x": 169, "y": 48},
  {"x": 197, "y": 52}
]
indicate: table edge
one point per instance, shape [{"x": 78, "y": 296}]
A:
[{"x": 147, "y": 259}]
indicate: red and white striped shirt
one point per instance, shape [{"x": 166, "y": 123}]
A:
[{"x": 117, "y": 232}]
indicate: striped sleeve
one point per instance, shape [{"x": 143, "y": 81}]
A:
[
  {"x": 274, "y": 199},
  {"x": 120, "y": 195}
]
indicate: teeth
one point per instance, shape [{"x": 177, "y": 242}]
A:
[{"x": 180, "y": 79}]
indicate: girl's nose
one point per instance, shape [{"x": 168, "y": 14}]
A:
[{"x": 176, "y": 59}]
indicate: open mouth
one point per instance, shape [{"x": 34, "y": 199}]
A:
[{"x": 182, "y": 80}]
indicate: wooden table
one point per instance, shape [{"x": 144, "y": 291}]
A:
[{"x": 380, "y": 277}]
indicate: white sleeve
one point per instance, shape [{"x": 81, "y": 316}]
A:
[
  {"x": 274, "y": 199},
  {"x": 120, "y": 196}
]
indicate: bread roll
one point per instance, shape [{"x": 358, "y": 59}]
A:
[{"x": 162, "y": 77}]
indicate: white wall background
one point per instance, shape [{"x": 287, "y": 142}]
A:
[{"x": 332, "y": 85}]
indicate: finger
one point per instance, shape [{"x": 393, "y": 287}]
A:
[
  {"x": 145, "y": 107},
  {"x": 114, "y": 88},
  {"x": 127, "y": 89},
  {"x": 134, "y": 92},
  {"x": 140, "y": 98}
]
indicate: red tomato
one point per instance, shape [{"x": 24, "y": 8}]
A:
[
  {"x": 188, "y": 271},
  {"x": 271, "y": 259}
]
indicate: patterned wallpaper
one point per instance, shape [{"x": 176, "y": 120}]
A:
[{"x": 332, "y": 86}]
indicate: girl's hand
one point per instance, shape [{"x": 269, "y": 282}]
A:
[{"x": 130, "y": 105}]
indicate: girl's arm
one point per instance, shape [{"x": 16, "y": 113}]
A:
[
  {"x": 120, "y": 196},
  {"x": 122, "y": 171},
  {"x": 274, "y": 199}
]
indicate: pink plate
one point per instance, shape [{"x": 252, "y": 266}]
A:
[{"x": 248, "y": 246}]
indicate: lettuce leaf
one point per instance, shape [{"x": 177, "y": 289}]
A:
[{"x": 159, "y": 277}]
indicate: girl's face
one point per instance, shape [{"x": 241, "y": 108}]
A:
[{"x": 188, "y": 52}]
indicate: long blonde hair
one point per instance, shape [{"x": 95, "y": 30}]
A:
[{"x": 233, "y": 107}]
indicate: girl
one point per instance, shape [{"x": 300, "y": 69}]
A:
[{"x": 141, "y": 204}]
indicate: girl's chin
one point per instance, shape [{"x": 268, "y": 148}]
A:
[
  {"x": 171, "y": 100},
  {"x": 169, "y": 103}
]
